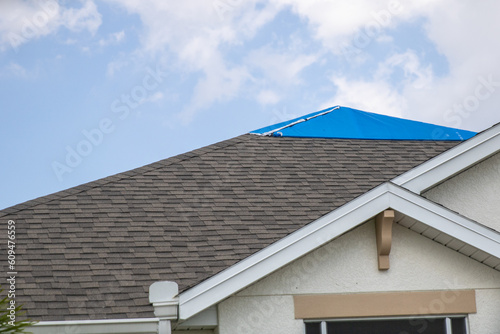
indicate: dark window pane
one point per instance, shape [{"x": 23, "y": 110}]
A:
[
  {"x": 406, "y": 326},
  {"x": 458, "y": 325},
  {"x": 313, "y": 327}
]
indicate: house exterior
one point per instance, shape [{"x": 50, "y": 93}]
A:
[{"x": 340, "y": 221}]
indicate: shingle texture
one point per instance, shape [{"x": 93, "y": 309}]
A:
[{"x": 92, "y": 251}]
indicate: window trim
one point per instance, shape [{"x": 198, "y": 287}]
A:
[
  {"x": 440, "y": 316},
  {"x": 385, "y": 304}
]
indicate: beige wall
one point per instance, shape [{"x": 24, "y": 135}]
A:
[
  {"x": 349, "y": 265},
  {"x": 474, "y": 193}
]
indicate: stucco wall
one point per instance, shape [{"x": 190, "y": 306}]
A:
[
  {"x": 473, "y": 193},
  {"x": 349, "y": 264}
]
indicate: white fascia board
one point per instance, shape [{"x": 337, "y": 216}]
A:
[
  {"x": 327, "y": 228},
  {"x": 451, "y": 162},
  {"x": 444, "y": 220},
  {"x": 205, "y": 319},
  {"x": 282, "y": 252},
  {"x": 139, "y": 326}
]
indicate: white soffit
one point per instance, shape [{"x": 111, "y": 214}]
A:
[
  {"x": 451, "y": 162},
  {"x": 328, "y": 227},
  {"x": 448, "y": 241},
  {"x": 445, "y": 220},
  {"x": 442, "y": 225}
]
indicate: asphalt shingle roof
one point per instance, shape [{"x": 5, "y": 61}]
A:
[{"x": 91, "y": 252}]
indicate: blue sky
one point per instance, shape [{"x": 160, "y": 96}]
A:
[{"x": 93, "y": 88}]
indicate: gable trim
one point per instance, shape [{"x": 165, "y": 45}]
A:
[
  {"x": 451, "y": 162},
  {"x": 445, "y": 220},
  {"x": 327, "y": 228}
]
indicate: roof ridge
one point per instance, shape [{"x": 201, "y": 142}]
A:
[
  {"x": 302, "y": 119},
  {"x": 122, "y": 175}
]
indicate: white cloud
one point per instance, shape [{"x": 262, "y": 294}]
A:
[
  {"x": 384, "y": 39},
  {"x": 16, "y": 70},
  {"x": 464, "y": 33},
  {"x": 196, "y": 32},
  {"x": 85, "y": 18},
  {"x": 22, "y": 21},
  {"x": 356, "y": 23},
  {"x": 266, "y": 97},
  {"x": 157, "y": 96},
  {"x": 218, "y": 84},
  {"x": 382, "y": 94},
  {"x": 70, "y": 41},
  {"x": 415, "y": 74},
  {"x": 282, "y": 67},
  {"x": 118, "y": 36},
  {"x": 282, "y": 115},
  {"x": 114, "y": 38},
  {"x": 115, "y": 66},
  {"x": 375, "y": 96},
  {"x": 176, "y": 24}
]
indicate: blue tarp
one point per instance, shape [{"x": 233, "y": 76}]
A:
[{"x": 347, "y": 123}]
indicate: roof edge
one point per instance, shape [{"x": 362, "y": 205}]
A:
[
  {"x": 451, "y": 162},
  {"x": 123, "y": 175}
]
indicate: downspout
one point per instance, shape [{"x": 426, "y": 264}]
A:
[{"x": 165, "y": 299}]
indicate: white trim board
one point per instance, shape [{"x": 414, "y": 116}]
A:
[
  {"x": 327, "y": 228},
  {"x": 451, "y": 162}
]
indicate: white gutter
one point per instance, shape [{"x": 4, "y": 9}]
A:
[
  {"x": 139, "y": 326},
  {"x": 163, "y": 296}
]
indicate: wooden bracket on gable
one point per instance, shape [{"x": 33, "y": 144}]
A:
[{"x": 383, "y": 228}]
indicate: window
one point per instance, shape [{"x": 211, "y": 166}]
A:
[{"x": 413, "y": 325}]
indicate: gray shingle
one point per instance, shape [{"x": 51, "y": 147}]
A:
[{"x": 98, "y": 247}]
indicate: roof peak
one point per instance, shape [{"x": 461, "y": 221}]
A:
[{"x": 349, "y": 123}]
